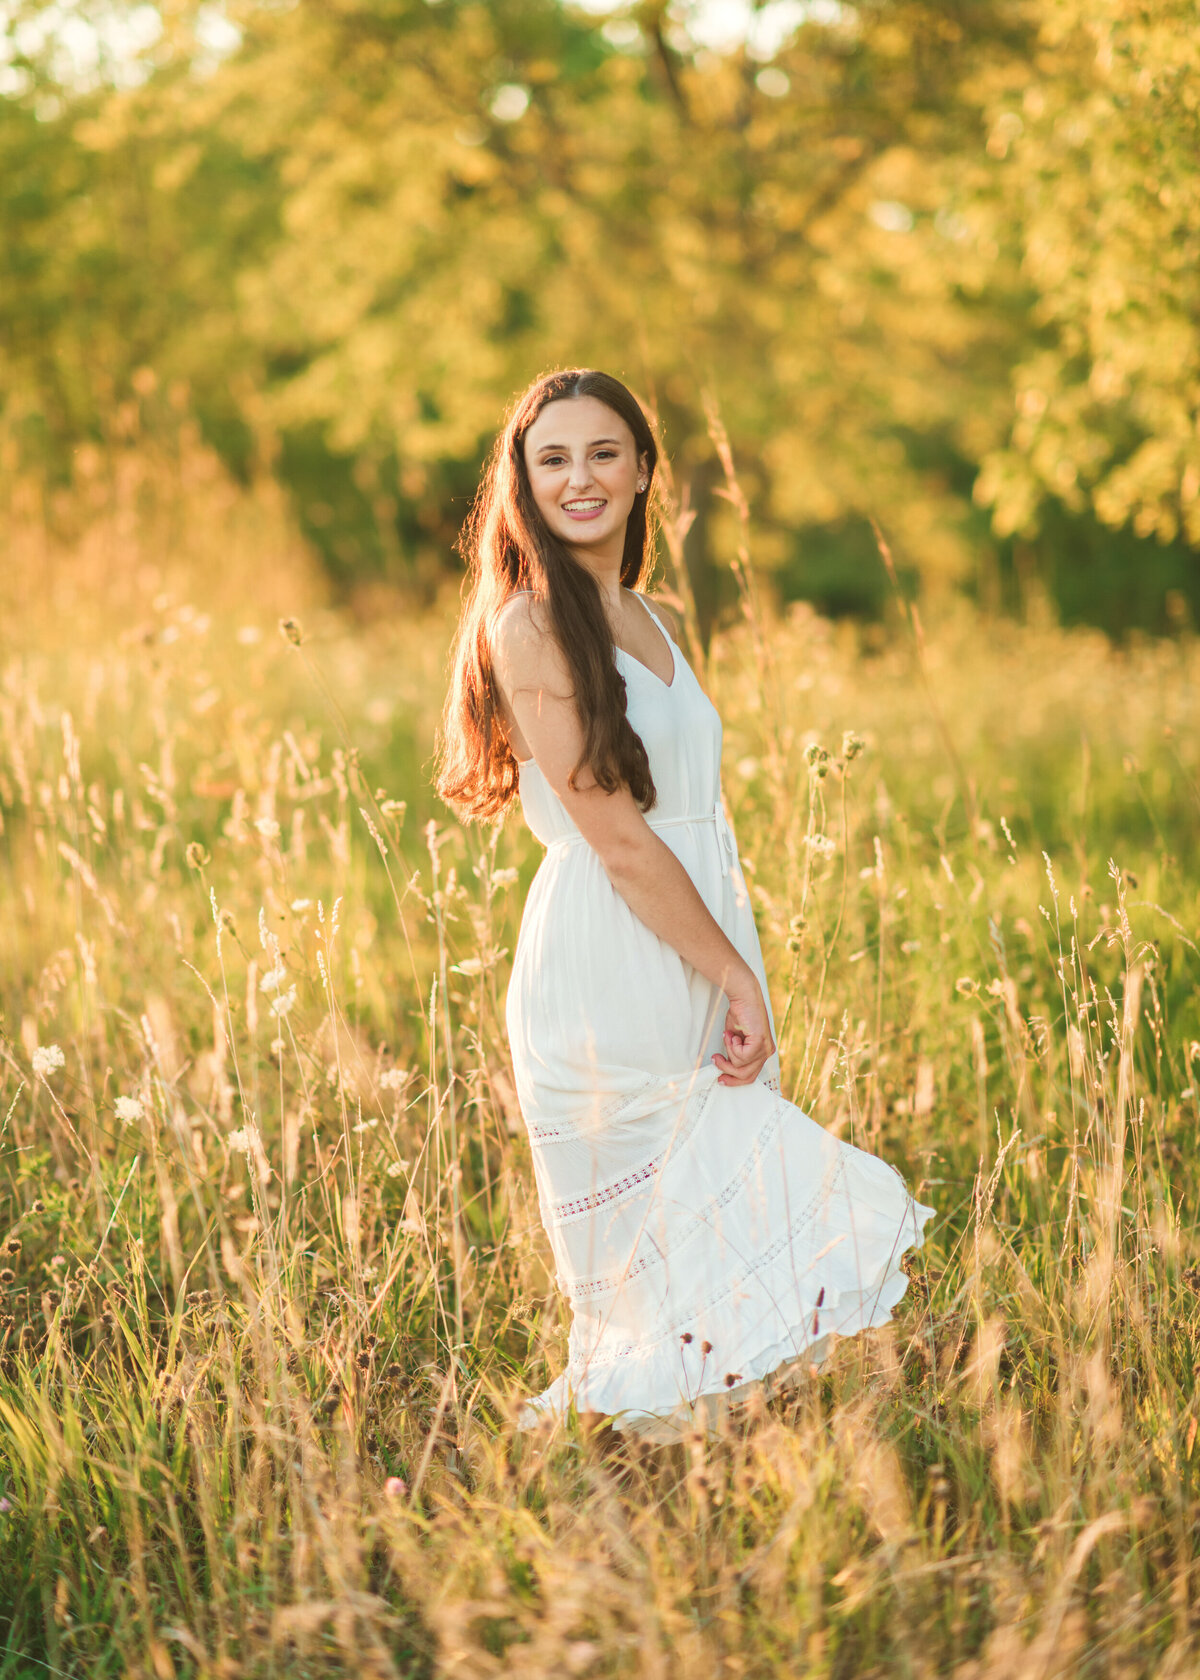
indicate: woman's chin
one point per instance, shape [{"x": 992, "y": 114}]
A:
[{"x": 588, "y": 534}]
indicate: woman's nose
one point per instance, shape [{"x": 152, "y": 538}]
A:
[{"x": 580, "y": 475}]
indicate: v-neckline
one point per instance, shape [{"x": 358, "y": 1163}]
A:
[{"x": 670, "y": 649}]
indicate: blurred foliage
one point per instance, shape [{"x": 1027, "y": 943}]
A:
[{"x": 936, "y": 263}]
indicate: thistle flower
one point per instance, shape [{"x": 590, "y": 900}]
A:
[
  {"x": 47, "y": 1059},
  {"x": 852, "y": 745}
]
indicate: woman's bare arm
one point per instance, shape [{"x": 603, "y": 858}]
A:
[{"x": 534, "y": 676}]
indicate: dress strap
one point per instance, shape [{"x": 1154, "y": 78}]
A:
[{"x": 653, "y": 614}]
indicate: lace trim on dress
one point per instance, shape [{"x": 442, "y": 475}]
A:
[
  {"x": 562, "y": 1212},
  {"x": 571, "y": 1131},
  {"x": 586, "y": 1289},
  {"x": 610, "y": 1193}
]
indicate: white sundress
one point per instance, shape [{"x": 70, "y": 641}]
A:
[{"x": 707, "y": 1237}]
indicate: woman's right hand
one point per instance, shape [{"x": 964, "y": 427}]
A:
[{"x": 748, "y": 1040}]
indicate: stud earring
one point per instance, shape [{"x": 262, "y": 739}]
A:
[{"x": 641, "y": 487}]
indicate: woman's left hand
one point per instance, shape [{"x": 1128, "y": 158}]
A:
[{"x": 748, "y": 1040}]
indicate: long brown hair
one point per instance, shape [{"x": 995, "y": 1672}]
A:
[{"x": 508, "y": 547}]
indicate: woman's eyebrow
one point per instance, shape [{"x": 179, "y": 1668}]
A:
[{"x": 543, "y": 447}]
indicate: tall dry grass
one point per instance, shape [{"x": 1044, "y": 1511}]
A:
[{"x": 273, "y": 1273}]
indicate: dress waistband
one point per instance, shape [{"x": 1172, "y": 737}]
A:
[{"x": 716, "y": 815}]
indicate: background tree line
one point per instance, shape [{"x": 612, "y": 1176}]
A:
[{"x": 936, "y": 263}]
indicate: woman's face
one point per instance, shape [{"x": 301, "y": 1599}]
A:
[{"x": 584, "y": 472}]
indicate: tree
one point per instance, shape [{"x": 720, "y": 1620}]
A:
[{"x": 1100, "y": 195}]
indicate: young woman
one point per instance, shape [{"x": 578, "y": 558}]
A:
[{"x": 707, "y": 1234}]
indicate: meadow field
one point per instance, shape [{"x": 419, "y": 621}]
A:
[{"x": 273, "y": 1276}]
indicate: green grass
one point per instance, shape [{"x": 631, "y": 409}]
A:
[{"x": 982, "y": 934}]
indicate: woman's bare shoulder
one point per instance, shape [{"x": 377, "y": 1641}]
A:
[{"x": 521, "y": 640}]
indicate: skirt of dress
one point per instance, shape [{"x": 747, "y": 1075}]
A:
[{"x": 725, "y": 1252}]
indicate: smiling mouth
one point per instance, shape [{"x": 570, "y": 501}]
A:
[{"x": 589, "y": 504}]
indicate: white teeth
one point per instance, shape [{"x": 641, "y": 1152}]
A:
[{"x": 581, "y": 507}]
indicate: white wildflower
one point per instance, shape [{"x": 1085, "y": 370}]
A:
[
  {"x": 365, "y": 1126},
  {"x": 245, "y": 1140},
  {"x": 47, "y": 1059},
  {"x": 820, "y": 845},
  {"x": 396, "y": 1168},
  {"x": 284, "y": 1002},
  {"x": 504, "y": 878},
  {"x": 273, "y": 979},
  {"x": 394, "y": 1079},
  {"x": 128, "y": 1109},
  {"x": 268, "y": 828},
  {"x": 301, "y": 903}
]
